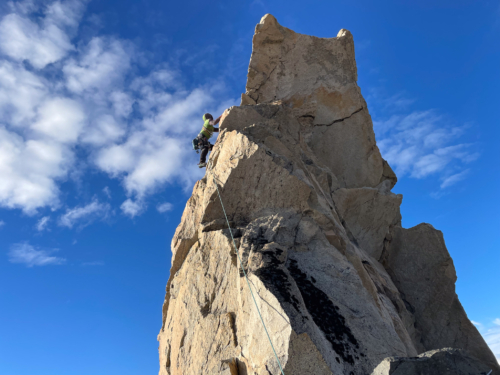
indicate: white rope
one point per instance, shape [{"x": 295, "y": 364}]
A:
[{"x": 241, "y": 264}]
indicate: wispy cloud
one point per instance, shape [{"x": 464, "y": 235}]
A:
[
  {"x": 492, "y": 338},
  {"x": 41, "y": 225},
  {"x": 453, "y": 179},
  {"x": 259, "y": 3},
  {"x": 2, "y": 223},
  {"x": 420, "y": 143},
  {"x": 26, "y": 254},
  {"x": 384, "y": 103},
  {"x": 164, "y": 207},
  {"x": 107, "y": 191},
  {"x": 491, "y": 335},
  {"x": 423, "y": 143},
  {"x": 133, "y": 208},
  {"x": 85, "y": 215}
]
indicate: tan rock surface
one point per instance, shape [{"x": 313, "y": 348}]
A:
[
  {"x": 368, "y": 213},
  {"x": 423, "y": 271},
  {"x": 308, "y": 198},
  {"x": 316, "y": 77}
]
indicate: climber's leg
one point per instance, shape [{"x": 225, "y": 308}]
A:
[{"x": 203, "y": 156}]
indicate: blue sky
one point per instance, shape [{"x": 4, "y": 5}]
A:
[{"x": 99, "y": 102}]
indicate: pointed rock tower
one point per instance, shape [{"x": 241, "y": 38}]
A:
[{"x": 341, "y": 286}]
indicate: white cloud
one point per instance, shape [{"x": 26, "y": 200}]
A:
[
  {"x": 156, "y": 163},
  {"x": 65, "y": 13},
  {"x": 41, "y": 125},
  {"x": 26, "y": 254},
  {"x": 418, "y": 144},
  {"x": 164, "y": 78},
  {"x": 137, "y": 132},
  {"x": 453, "y": 179},
  {"x": 107, "y": 191},
  {"x": 22, "y": 39},
  {"x": 41, "y": 225},
  {"x": 60, "y": 119},
  {"x": 23, "y": 7},
  {"x": 100, "y": 66},
  {"x": 2, "y": 223},
  {"x": 85, "y": 215},
  {"x": 164, "y": 207},
  {"x": 29, "y": 170},
  {"x": 21, "y": 92},
  {"x": 178, "y": 109},
  {"x": 441, "y": 158},
  {"x": 43, "y": 41},
  {"x": 131, "y": 208},
  {"x": 37, "y": 125},
  {"x": 122, "y": 103},
  {"x": 146, "y": 161},
  {"x": 385, "y": 102},
  {"x": 105, "y": 129},
  {"x": 492, "y": 338}
]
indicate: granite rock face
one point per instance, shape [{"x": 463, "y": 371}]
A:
[
  {"x": 340, "y": 285},
  {"x": 431, "y": 297}
]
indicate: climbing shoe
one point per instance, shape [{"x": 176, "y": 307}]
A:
[{"x": 201, "y": 165}]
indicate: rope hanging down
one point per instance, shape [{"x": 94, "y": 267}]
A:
[{"x": 241, "y": 264}]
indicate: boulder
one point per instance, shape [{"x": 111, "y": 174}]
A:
[{"x": 445, "y": 361}]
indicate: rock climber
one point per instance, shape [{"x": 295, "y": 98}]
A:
[{"x": 205, "y": 134}]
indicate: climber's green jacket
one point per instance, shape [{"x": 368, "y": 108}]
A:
[{"x": 208, "y": 126}]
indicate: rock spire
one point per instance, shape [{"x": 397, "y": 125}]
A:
[{"x": 342, "y": 287}]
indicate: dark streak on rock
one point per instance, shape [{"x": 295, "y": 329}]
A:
[
  {"x": 325, "y": 314},
  {"x": 275, "y": 278}
]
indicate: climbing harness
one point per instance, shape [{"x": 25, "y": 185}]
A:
[
  {"x": 241, "y": 264},
  {"x": 196, "y": 144}
]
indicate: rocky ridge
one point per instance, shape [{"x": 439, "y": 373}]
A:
[{"x": 342, "y": 287}]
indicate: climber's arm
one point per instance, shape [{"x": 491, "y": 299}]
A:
[{"x": 216, "y": 121}]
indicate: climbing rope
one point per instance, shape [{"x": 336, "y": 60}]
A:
[{"x": 241, "y": 264}]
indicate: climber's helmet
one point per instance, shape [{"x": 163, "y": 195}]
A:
[{"x": 207, "y": 116}]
